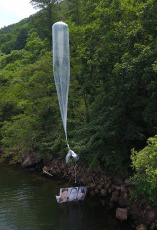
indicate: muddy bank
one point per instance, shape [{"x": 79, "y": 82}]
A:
[{"x": 112, "y": 192}]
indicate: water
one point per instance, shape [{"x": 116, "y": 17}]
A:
[{"x": 27, "y": 202}]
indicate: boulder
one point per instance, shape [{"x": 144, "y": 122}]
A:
[
  {"x": 96, "y": 190},
  {"x": 122, "y": 188},
  {"x": 65, "y": 174},
  {"x": 117, "y": 181},
  {"x": 114, "y": 197},
  {"x": 121, "y": 202},
  {"x": 29, "y": 159},
  {"x": 92, "y": 193},
  {"x": 107, "y": 185},
  {"x": 121, "y": 213},
  {"x": 103, "y": 192},
  {"x": 82, "y": 181},
  {"x": 100, "y": 186},
  {"x": 141, "y": 227},
  {"x": 109, "y": 190},
  {"x": 92, "y": 186},
  {"x": 151, "y": 215},
  {"x": 152, "y": 226}
]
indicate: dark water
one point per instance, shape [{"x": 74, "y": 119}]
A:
[{"x": 27, "y": 201}]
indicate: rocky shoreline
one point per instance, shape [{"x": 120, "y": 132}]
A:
[{"x": 113, "y": 192}]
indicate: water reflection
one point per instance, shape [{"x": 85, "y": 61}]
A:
[{"x": 27, "y": 201}]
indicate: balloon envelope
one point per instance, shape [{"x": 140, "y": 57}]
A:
[{"x": 61, "y": 67}]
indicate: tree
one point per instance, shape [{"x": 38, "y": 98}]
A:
[
  {"x": 41, "y": 3},
  {"x": 44, "y": 19},
  {"x": 117, "y": 57},
  {"x": 145, "y": 164}
]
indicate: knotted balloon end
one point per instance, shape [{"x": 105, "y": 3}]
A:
[{"x": 71, "y": 154}]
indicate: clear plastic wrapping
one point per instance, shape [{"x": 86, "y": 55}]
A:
[
  {"x": 61, "y": 67},
  {"x": 61, "y": 71}
]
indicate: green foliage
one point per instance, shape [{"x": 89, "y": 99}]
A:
[
  {"x": 15, "y": 134},
  {"x": 145, "y": 164},
  {"x": 31, "y": 102},
  {"x": 15, "y": 40},
  {"x": 117, "y": 56}
]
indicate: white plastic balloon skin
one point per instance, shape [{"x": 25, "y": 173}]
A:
[
  {"x": 61, "y": 67},
  {"x": 61, "y": 70}
]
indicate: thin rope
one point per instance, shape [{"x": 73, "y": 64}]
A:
[{"x": 75, "y": 172}]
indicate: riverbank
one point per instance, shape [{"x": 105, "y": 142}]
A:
[
  {"x": 28, "y": 201},
  {"x": 114, "y": 192}
]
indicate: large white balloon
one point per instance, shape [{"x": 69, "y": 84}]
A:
[
  {"x": 61, "y": 71},
  {"x": 61, "y": 67}
]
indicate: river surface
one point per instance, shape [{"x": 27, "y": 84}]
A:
[{"x": 27, "y": 202}]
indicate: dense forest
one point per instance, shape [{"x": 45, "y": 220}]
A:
[{"x": 112, "y": 108}]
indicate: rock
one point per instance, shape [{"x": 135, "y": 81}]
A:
[
  {"x": 65, "y": 174},
  {"x": 134, "y": 183},
  {"x": 114, "y": 197},
  {"x": 152, "y": 226},
  {"x": 92, "y": 193},
  {"x": 109, "y": 190},
  {"x": 151, "y": 215},
  {"x": 137, "y": 215},
  {"x": 62, "y": 166},
  {"x": 148, "y": 207},
  {"x": 122, "y": 188},
  {"x": 103, "y": 192},
  {"x": 130, "y": 190},
  {"x": 141, "y": 227},
  {"x": 127, "y": 181},
  {"x": 100, "y": 186},
  {"x": 113, "y": 187},
  {"x": 107, "y": 185},
  {"x": 118, "y": 188},
  {"x": 117, "y": 181},
  {"x": 82, "y": 181},
  {"x": 72, "y": 175},
  {"x": 91, "y": 186},
  {"x": 96, "y": 191},
  {"x": 121, "y": 213},
  {"x": 29, "y": 159},
  {"x": 126, "y": 198},
  {"x": 58, "y": 171},
  {"x": 110, "y": 205},
  {"x": 121, "y": 201}
]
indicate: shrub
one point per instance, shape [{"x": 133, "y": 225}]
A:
[{"x": 145, "y": 164}]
